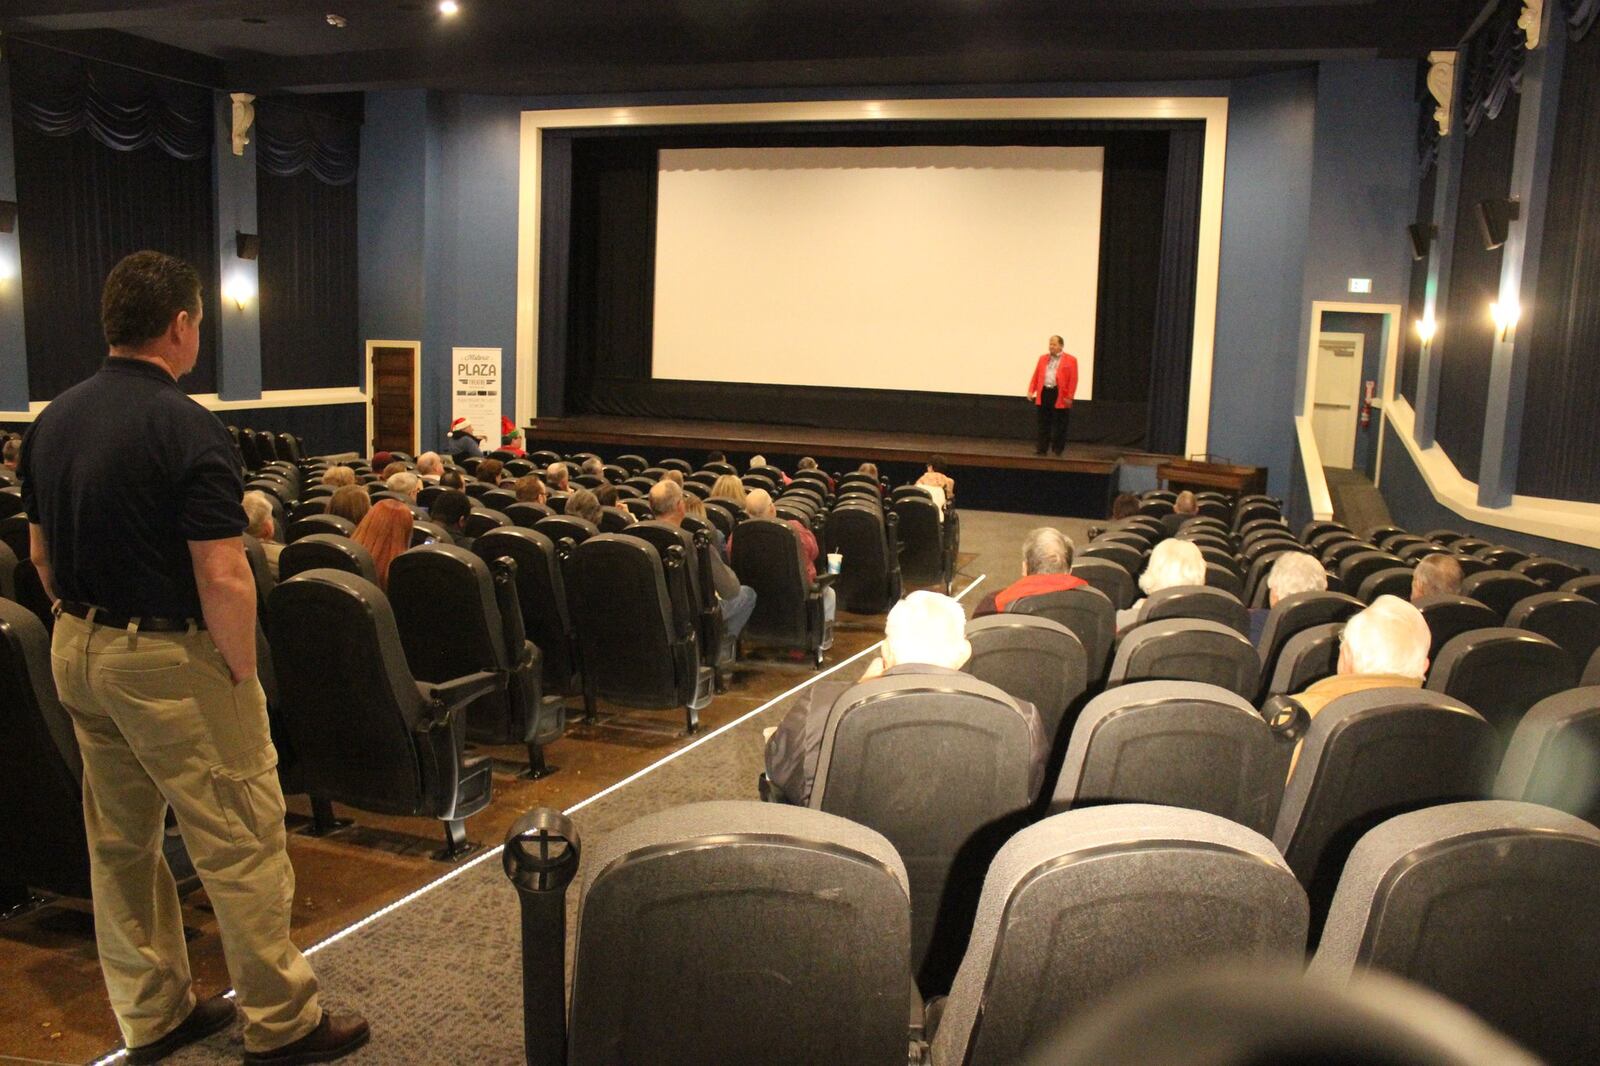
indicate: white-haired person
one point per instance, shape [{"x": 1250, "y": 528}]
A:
[
  {"x": 1172, "y": 564},
  {"x": 759, "y": 462},
  {"x": 1385, "y": 646},
  {"x": 1291, "y": 573},
  {"x": 258, "y": 513},
  {"x": 430, "y": 467},
  {"x": 556, "y": 477},
  {"x": 758, "y": 504},
  {"x": 924, "y": 634},
  {"x": 406, "y": 484},
  {"x": 1046, "y": 567}
]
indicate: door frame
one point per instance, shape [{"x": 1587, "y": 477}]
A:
[
  {"x": 1389, "y": 359},
  {"x": 1359, "y": 343},
  {"x": 416, "y": 390}
]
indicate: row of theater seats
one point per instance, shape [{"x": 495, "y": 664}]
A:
[{"x": 740, "y": 932}]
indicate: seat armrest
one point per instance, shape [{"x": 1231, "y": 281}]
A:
[
  {"x": 823, "y": 580},
  {"x": 452, "y": 695}
]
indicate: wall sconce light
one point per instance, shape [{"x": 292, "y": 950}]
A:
[
  {"x": 1426, "y": 329},
  {"x": 1505, "y": 317},
  {"x": 239, "y": 289},
  {"x": 8, "y": 269}
]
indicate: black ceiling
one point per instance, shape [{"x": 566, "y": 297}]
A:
[{"x": 631, "y": 46}]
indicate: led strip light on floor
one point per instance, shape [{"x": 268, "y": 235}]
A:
[{"x": 490, "y": 853}]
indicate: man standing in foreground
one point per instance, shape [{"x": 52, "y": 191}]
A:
[{"x": 154, "y": 658}]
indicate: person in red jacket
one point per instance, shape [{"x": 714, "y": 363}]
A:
[{"x": 1055, "y": 379}]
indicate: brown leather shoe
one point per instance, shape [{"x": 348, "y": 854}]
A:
[
  {"x": 209, "y": 1016},
  {"x": 335, "y": 1036}
]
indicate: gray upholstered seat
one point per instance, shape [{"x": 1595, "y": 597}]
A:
[
  {"x": 326, "y": 551},
  {"x": 941, "y": 765},
  {"x": 1392, "y": 581},
  {"x": 1306, "y": 658},
  {"x": 1367, "y": 756},
  {"x": 740, "y": 932},
  {"x": 1570, "y": 620},
  {"x": 1491, "y": 903},
  {"x": 1175, "y": 743},
  {"x": 1500, "y": 673},
  {"x": 1300, "y": 610},
  {"x": 1083, "y": 902},
  {"x": 1187, "y": 649},
  {"x": 1109, "y": 577},
  {"x": 1031, "y": 659},
  {"x": 1088, "y": 612},
  {"x": 1500, "y": 590},
  {"x": 1195, "y": 601},
  {"x": 1554, "y": 757}
]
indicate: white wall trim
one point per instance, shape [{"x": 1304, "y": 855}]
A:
[
  {"x": 1213, "y": 110},
  {"x": 211, "y": 402},
  {"x": 1563, "y": 520},
  {"x": 416, "y": 390},
  {"x": 1317, "y": 494}
]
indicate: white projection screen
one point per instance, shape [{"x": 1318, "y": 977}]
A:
[{"x": 939, "y": 269}]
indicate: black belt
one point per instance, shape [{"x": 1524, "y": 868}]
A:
[{"x": 103, "y": 617}]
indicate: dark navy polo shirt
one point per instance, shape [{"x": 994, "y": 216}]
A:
[{"x": 122, "y": 471}]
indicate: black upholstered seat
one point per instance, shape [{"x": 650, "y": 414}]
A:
[
  {"x": 766, "y": 556},
  {"x": 1551, "y": 573},
  {"x": 927, "y": 556},
  {"x": 1109, "y": 577},
  {"x": 1554, "y": 756},
  {"x": 1159, "y": 886},
  {"x": 1500, "y": 590},
  {"x": 1180, "y": 744},
  {"x": 699, "y": 582},
  {"x": 319, "y": 523},
  {"x": 485, "y": 633},
  {"x": 1501, "y": 557},
  {"x": 1187, "y": 649},
  {"x": 1087, "y": 612},
  {"x": 1358, "y": 566},
  {"x": 1118, "y": 551},
  {"x": 1450, "y": 616},
  {"x": 542, "y": 597},
  {"x": 364, "y": 732},
  {"x": 1304, "y": 659},
  {"x": 1298, "y": 611},
  {"x": 1030, "y": 658},
  {"x": 1587, "y": 586},
  {"x": 1195, "y": 601},
  {"x": 1572, "y": 621},
  {"x": 482, "y": 519},
  {"x": 1392, "y": 581},
  {"x": 1500, "y": 673},
  {"x": 559, "y": 527},
  {"x": 319, "y": 551},
  {"x": 869, "y": 582},
  {"x": 1490, "y": 903},
  {"x": 527, "y": 514}
]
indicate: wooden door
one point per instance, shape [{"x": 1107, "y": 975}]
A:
[{"x": 393, "y": 399}]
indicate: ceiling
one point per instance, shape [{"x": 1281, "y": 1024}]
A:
[{"x": 542, "y": 47}]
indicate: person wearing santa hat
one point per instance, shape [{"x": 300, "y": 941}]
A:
[
  {"x": 511, "y": 438},
  {"x": 463, "y": 441}
]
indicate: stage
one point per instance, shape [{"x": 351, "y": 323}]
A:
[{"x": 991, "y": 474}]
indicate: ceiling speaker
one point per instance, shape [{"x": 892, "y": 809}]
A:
[{"x": 1494, "y": 221}]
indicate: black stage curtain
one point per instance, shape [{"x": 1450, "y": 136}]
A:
[
  {"x": 82, "y": 205},
  {"x": 1173, "y": 321},
  {"x": 1427, "y": 185},
  {"x": 295, "y": 138},
  {"x": 1562, "y": 405},
  {"x": 597, "y": 298},
  {"x": 310, "y": 336},
  {"x": 1466, "y": 333}
]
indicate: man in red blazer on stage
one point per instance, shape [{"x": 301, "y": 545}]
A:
[{"x": 1055, "y": 379}]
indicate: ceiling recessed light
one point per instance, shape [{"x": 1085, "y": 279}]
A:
[{"x": 448, "y": 7}]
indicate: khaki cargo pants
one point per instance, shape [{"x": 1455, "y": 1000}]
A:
[{"x": 161, "y": 723}]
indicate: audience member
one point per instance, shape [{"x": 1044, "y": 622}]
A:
[
  {"x": 556, "y": 476},
  {"x": 593, "y": 467},
  {"x": 1438, "y": 574},
  {"x": 1291, "y": 572},
  {"x": 607, "y": 495},
  {"x": 1046, "y": 567},
  {"x": 530, "y": 489},
  {"x": 674, "y": 475},
  {"x": 382, "y": 459},
  {"x": 488, "y": 471},
  {"x": 406, "y": 484},
  {"x": 511, "y": 438},
  {"x": 429, "y": 467},
  {"x": 1385, "y": 646},
  {"x": 808, "y": 463},
  {"x": 1172, "y": 564},
  {"x": 667, "y": 504},
  {"x": 462, "y": 441},
  {"x": 759, "y": 463},
  {"x": 452, "y": 479},
  {"x": 758, "y": 504},
  {"x": 715, "y": 457},
  {"x": 337, "y": 477},
  {"x": 351, "y": 502},
  {"x": 385, "y": 533},
  {"x": 584, "y": 504},
  {"x": 258, "y": 513},
  {"x": 1185, "y": 507},
  {"x": 450, "y": 510},
  {"x": 728, "y": 487},
  {"x": 11, "y": 450},
  {"x": 1126, "y": 505},
  {"x": 924, "y": 634},
  {"x": 935, "y": 478},
  {"x": 389, "y": 470},
  {"x": 695, "y": 507}
]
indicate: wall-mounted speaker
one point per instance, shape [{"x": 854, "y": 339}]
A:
[
  {"x": 1494, "y": 220},
  {"x": 248, "y": 245},
  {"x": 8, "y": 216},
  {"x": 1422, "y": 234}
]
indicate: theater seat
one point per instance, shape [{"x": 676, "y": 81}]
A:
[
  {"x": 1570, "y": 620},
  {"x": 1489, "y": 903},
  {"x": 527, "y": 514},
  {"x": 542, "y": 597},
  {"x": 1393, "y": 581},
  {"x": 869, "y": 582},
  {"x": 1296, "y": 612},
  {"x": 561, "y": 527},
  {"x": 1085, "y": 611},
  {"x": 766, "y": 556},
  {"x": 319, "y": 523},
  {"x": 699, "y": 585},
  {"x": 720, "y": 932},
  {"x": 1587, "y": 587},
  {"x": 1500, "y": 590},
  {"x": 1195, "y": 601},
  {"x": 636, "y": 650},
  {"x": 1305, "y": 658},
  {"x": 1157, "y": 886},
  {"x": 1366, "y": 757},
  {"x": 1554, "y": 756},
  {"x": 364, "y": 732},
  {"x": 484, "y": 633},
  {"x": 939, "y": 764},
  {"x": 1032, "y": 659},
  {"x": 927, "y": 555},
  {"x": 1500, "y": 673},
  {"x": 482, "y": 519},
  {"x": 1551, "y": 573},
  {"x": 326, "y": 551},
  {"x": 1450, "y": 616},
  {"x": 1109, "y": 577},
  {"x": 1187, "y": 649}
]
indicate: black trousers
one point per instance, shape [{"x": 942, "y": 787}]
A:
[{"x": 1052, "y": 424}]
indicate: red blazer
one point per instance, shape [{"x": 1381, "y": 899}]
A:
[{"x": 1066, "y": 378}]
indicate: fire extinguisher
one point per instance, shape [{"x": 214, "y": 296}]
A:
[{"x": 1367, "y": 395}]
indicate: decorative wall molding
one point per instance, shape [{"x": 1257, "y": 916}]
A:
[
  {"x": 244, "y": 115},
  {"x": 1442, "y": 87}
]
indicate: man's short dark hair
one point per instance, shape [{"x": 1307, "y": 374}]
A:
[
  {"x": 452, "y": 479},
  {"x": 716, "y": 457},
  {"x": 11, "y": 450},
  {"x": 449, "y": 508},
  {"x": 141, "y": 296},
  {"x": 938, "y": 463}
]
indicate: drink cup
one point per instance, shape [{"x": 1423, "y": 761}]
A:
[{"x": 835, "y": 562}]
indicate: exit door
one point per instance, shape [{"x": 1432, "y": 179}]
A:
[
  {"x": 1336, "y": 398},
  {"x": 392, "y": 396}
]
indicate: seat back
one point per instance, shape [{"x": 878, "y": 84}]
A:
[
  {"x": 1030, "y": 658},
  {"x": 1500, "y": 673},
  {"x": 1085, "y": 611},
  {"x": 1367, "y": 757},
  {"x": 766, "y": 556},
  {"x": 632, "y": 653},
  {"x": 1587, "y": 586},
  {"x": 1296, "y": 612},
  {"x": 1109, "y": 577},
  {"x": 526, "y": 513},
  {"x": 869, "y": 582},
  {"x": 746, "y": 906},
  {"x": 561, "y": 527},
  {"x": 1554, "y": 756},
  {"x": 1490, "y": 903},
  {"x": 1196, "y": 601},
  {"x": 1570, "y": 620},
  {"x": 541, "y": 596},
  {"x": 1157, "y": 885},
  {"x": 1306, "y": 658},
  {"x": 1187, "y": 649},
  {"x": 1551, "y": 573},
  {"x": 41, "y": 770},
  {"x": 921, "y": 533},
  {"x": 326, "y": 551},
  {"x": 1450, "y": 616},
  {"x": 702, "y": 593},
  {"x": 1393, "y": 581},
  {"x": 1500, "y": 590},
  {"x": 939, "y": 764},
  {"x": 1125, "y": 555},
  {"x": 1179, "y": 744},
  {"x": 319, "y": 523}
]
